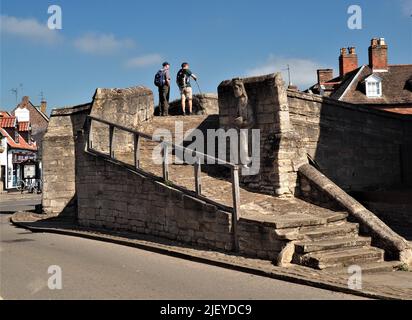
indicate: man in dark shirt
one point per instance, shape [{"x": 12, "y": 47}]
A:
[
  {"x": 164, "y": 91},
  {"x": 183, "y": 82}
]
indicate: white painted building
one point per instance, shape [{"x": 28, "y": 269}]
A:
[
  {"x": 17, "y": 148},
  {"x": 3, "y": 162}
]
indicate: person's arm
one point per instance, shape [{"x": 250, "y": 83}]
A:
[
  {"x": 168, "y": 78},
  {"x": 192, "y": 75}
]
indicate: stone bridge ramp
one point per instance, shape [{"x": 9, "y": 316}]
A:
[{"x": 314, "y": 236}]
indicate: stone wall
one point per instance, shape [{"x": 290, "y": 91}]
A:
[
  {"x": 59, "y": 165},
  {"x": 203, "y": 104},
  {"x": 315, "y": 186},
  {"x": 113, "y": 197},
  {"x": 281, "y": 152},
  {"x": 106, "y": 194},
  {"x": 356, "y": 147},
  {"x": 396, "y": 215},
  {"x": 128, "y": 107}
]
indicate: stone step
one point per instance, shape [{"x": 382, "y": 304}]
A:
[
  {"x": 337, "y": 216},
  {"x": 337, "y": 229},
  {"x": 304, "y": 220},
  {"x": 367, "y": 268},
  {"x": 332, "y": 231},
  {"x": 331, "y": 244},
  {"x": 340, "y": 257}
]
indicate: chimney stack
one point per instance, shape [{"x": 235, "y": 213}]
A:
[
  {"x": 43, "y": 106},
  {"x": 347, "y": 61},
  {"x": 325, "y": 75},
  {"x": 378, "y": 55}
]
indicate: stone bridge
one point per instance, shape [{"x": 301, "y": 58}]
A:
[{"x": 103, "y": 174}]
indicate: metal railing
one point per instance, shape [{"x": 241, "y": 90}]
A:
[{"x": 166, "y": 147}]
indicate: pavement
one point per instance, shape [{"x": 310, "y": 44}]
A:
[
  {"x": 384, "y": 285},
  {"x": 93, "y": 269}
]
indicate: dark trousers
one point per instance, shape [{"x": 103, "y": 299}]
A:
[{"x": 164, "y": 95}]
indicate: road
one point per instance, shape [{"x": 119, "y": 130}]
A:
[
  {"x": 98, "y": 270},
  {"x": 18, "y": 202}
]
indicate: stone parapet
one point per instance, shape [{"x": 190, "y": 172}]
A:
[{"x": 313, "y": 183}]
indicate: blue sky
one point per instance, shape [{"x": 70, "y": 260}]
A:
[{"x": 121, "y": 43}]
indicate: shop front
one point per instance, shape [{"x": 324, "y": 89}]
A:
[{"x": 22, "y": 165}]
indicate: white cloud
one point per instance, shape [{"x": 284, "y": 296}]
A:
[
  {"x": 30, "y": 29},
  {"x": 102, "y": 43},
  {"x": 303, "y": 71},
  {"x": 407, "y": 7},
  {"x": 145, "y": 61}
]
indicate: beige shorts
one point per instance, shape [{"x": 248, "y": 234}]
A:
[{"x": 186, "y": 93}]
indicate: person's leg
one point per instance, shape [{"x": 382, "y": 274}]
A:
[
  {"x": 183, "y": 97},
  {"x": 161, "y": 102},
  {"x": 166, "y": 102},
  {"x": 190, "y": 97}
]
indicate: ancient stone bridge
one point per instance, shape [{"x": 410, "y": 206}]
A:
[{"x": 99, "y": 169}]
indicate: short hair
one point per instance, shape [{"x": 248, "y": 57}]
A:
[
  {"x": 184, "y": 64},
  {"x": 165, "y": 64}
]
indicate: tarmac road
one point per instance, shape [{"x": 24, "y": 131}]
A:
[
  {"x": 18, "y": 202},
  {"x": 97, "y": 270}
]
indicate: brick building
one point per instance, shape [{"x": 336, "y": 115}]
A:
[
  {"x": 378, "y": 84},
  {"x": 36, "y": 115}
]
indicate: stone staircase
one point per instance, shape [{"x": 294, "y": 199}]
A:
[{"x": 322, "y": 238}]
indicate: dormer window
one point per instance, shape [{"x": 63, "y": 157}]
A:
[
  {"x": 373, "y": 86},
  {"x": 409, "y": 84}
]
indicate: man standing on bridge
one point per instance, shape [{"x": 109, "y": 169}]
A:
[
  {"x": 183, "y": 82},
  {"x": 162, "y": 81}
]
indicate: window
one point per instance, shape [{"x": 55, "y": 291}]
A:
[{"x": 373, "y": 87}]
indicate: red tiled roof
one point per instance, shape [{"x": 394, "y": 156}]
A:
[
  {"x": 22, "y": 143},
  {"x": 4, "y": 114},
  {"x": 8, "y": 122},
  {"x": 395, "y": 88},
  {"x": 24, "y": 126}
]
